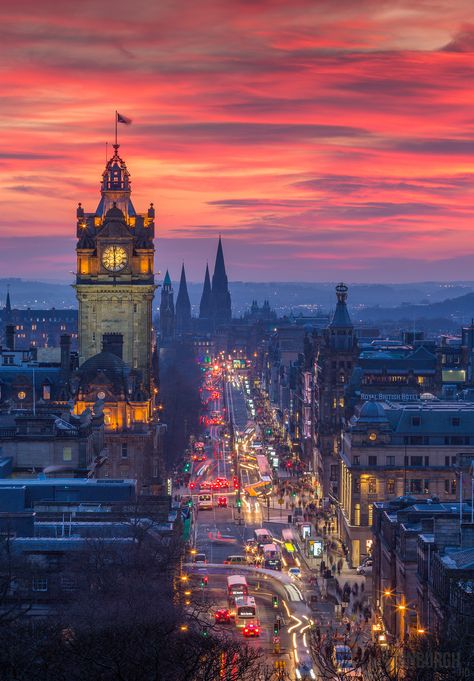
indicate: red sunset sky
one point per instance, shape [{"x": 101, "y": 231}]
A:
[{"x": 324, "y": 139}]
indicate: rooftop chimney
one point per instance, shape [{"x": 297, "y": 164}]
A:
[{"x": 65, "y": 354}]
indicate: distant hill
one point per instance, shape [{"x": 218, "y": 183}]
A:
[
  {"x": 460, "y": 309},
  {"x": 367, "y": 302}
]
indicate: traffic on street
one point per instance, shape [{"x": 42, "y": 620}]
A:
[{"x": 263, "y": 561}]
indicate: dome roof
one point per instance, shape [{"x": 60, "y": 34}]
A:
[
  {"x": 371, "y": 411},
  {"x": 114, "y": 213},
  {"x": 107, "y": 362}
]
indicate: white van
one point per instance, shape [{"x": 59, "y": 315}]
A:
[
  {"x": 236, "y": 560},
  {"x": 205, "y": 502}
]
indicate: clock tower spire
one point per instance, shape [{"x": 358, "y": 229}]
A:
[{"x": 115, "y": 272}]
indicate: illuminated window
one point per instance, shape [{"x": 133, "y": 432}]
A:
[
  {"x": 372, "y": 486},
  {"x": 341, "y": 401},
  {"x": 356, "y": 514},
  {"x": 390, "y": 486},
  {"x": 371, "y": 514},
  {"x": 46, "y": 392}
]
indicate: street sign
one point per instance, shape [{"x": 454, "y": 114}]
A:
[{"x": 276, "y": 639}]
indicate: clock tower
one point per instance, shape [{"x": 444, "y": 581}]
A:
[{"x": 115, "y": 278}]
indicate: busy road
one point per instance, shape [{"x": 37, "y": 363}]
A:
[{"x": 243, "y": 528}]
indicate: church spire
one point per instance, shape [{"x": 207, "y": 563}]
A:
[
  {"x": 8, "y": 305},
  {"x": 183, "y": 306},
  {"x": 221, "y": 303},
  {"x": 167, "y": 281},
  {"x": 166, "y": 311},
  {"x": 205, "y": 307}
]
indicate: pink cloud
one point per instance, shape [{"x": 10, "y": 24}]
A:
[{"x": 313, "y": 131}]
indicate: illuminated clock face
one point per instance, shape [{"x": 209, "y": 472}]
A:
[
  {"x": 372, "y": 437},
  {"x": 114, "y": 258}
]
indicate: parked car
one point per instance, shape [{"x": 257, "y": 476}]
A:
[{"x": 365, "y": 568}]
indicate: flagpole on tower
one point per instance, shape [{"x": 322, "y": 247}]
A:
[{"x": 116, "y": 119}]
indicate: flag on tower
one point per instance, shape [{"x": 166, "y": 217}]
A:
[{"x": 123, "y": 119}]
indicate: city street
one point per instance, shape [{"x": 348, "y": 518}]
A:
[{"x": 307, "y": 606}]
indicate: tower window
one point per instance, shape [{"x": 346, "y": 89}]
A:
[{"x": 124, "y": 450}]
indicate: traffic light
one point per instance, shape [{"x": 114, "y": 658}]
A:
[
  {"x": 276, "y": 628},
  {"x": 275, "y": 601},
  {"x": 204, "y": 580},
  {"x": 238, "y": 502}
]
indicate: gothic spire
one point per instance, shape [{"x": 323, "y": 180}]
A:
[
  {"x": 8, "y": 305},
  {"x": 167, "y": 315},
  {"x": 183, "y": 306},
  {"x": 221, "y": 303},
  {"x": 205, "y": 307},
  {"x": 167, "y": 281}
]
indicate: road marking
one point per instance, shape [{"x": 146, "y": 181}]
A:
[{"x": 295, "y": 626}]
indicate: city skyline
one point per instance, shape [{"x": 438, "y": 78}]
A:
[{"x": 323, "y": 143}]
